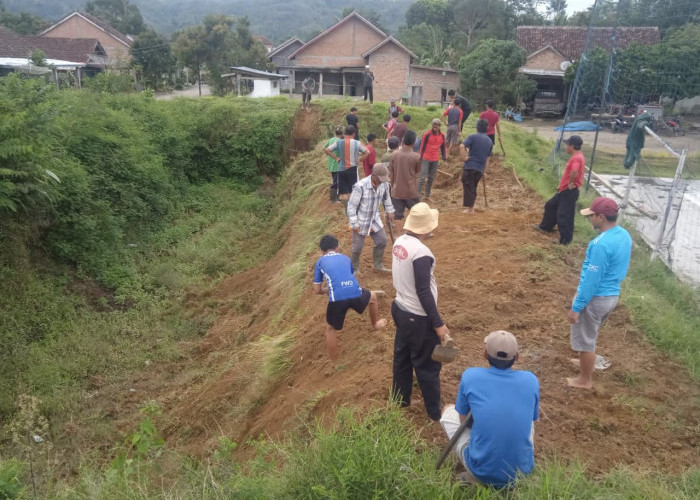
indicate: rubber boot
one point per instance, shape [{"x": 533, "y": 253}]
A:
[
  {"x": 355, "y": 259},
  {"x": 334, "y": 195},
  {"x": 378, "y": 255}
]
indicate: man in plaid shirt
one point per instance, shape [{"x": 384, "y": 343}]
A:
[{"x": 363, "y": 212}]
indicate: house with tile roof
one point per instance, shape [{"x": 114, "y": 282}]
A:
[
  {"x": 83, "y": 25},
  {"x": 336, "y": 59},
  {"x": 551, "y": 49},
  {"x": 279, "y": 56},
  {"x": 83, "y": 55}
]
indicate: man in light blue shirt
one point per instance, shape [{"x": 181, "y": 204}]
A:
[
  {"x": 605, "y": 266},
  {"x": 504, "y": 403}
]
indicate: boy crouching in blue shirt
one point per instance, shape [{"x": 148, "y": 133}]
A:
[{"x": 343, "y": 292}]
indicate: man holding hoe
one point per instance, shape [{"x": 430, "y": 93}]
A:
[
  {"x": 343, "y": 292},
  {"x": 363, "y": 215},
  {"x": 419, "y": 327}
]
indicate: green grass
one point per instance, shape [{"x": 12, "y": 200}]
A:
[
  {"x": 664, "y": 309},
  {"x": 67, "y": 339},
  {"x": 54, "y": 342},
  {"x": 375, "y": 455}
]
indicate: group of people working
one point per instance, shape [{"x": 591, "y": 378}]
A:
[{"x": 500, "y": 403}]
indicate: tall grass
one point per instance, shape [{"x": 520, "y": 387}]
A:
[{"x": 372, "y": 456}]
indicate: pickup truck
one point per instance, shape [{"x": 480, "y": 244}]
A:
[{"x": 547, "y": 103}]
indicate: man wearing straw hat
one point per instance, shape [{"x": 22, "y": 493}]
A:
[{"x": 419, "y": 327}]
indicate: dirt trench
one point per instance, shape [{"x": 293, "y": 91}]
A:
[{"x": 493, "y": 272}]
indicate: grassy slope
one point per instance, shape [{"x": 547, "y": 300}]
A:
[
  {"x": 667, "y": 311},
  {"x": 365, "y": 455}
]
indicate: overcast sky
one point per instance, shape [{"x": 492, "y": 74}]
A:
[{"x": 577, "y": 5}]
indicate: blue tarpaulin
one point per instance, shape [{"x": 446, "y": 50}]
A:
[{"x": 579, "y": 127}]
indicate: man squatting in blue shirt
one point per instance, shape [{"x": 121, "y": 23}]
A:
[
  {"x": 343, "y": 292},
  {"x": 503, "y": 403},
  {"x": 605, "y": 266}
]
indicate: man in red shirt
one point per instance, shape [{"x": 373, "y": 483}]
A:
[
  {"x": 431, "y": 147},
  {"x": 492, "y": 117},
  {"x": 561, "y": 208}
]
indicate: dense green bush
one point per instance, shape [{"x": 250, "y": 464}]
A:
[{"x": 96, "y": 172}]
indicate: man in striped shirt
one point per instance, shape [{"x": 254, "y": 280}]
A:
[
  {"x": 363, "y": 215},
  {"x": 349, "y": 153},
  {"x": 343, "y": 292}
]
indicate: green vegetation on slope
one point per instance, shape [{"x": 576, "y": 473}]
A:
[
  {"x": 104, "y": 199},
  {"x": 81, "y": 332}
]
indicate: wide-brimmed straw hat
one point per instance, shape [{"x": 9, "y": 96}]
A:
[{"x": 421, "y": 219}]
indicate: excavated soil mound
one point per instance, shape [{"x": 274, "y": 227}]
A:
[{"x": 493, "y": 272}]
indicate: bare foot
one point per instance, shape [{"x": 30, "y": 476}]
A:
[
  {"x": 576, "y": 362},
  {"x": 468, "y": 211},
  {"x": 380, "y": 324},
  {"x": 575, "y": 382}
]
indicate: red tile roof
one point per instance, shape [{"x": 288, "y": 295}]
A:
[
  {"x": 12, "y": 44},
  {"x": 569, "y": 40},
  {"x": 81, "y": 50}
]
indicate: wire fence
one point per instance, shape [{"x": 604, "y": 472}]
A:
[{"x": 660, "y": 194}]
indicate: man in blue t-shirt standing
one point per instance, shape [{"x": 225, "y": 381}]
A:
[
  {"x": 343, "y": 292},
  {"x": 604, "y": 268},
  {"x": 503, "y": 403},
  {"x": 476, "y": 150}
]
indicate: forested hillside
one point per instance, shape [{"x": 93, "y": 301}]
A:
[{"x": 274, "y": 19}]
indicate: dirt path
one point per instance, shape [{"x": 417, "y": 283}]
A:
[
  {"x": 612, "y": 142},
  {"x": 493, "y": 272}
]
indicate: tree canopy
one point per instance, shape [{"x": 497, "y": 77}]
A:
[
  {"x": 151, "y": 55},
  {"x": 490, "y": 67},
  {"x": 220, "y": 42},
  {"x": 120, "y": 14},
  {"x": 22, "y": 23}
]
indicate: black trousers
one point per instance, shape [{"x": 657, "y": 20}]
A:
[
  {"x": 413, "y": 345},
  {"x": 334, "y": 184},
  {"x": 560, "y": 210},
  {"x": 369, "y": 92},
  {"x": 470, "y": 181}
]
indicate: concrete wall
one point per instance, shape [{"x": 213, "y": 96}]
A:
[
  {"x": 433, "y": 82},
  {"x": 391, "y": 68},
  {"x": 342, "y": 47},
  {"x": 689, "y": 105},
  {"x": 77, "y": 27},
  {"x": 265, "y": 88},
  {"x": 547, "y": 59}
]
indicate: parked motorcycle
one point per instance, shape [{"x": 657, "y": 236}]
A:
[{"x": 619, "y": 123}]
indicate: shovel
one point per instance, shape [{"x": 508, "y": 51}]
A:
[{"x": 445, "y": 352}]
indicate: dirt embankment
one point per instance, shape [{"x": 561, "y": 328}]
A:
[{"x": 493, "y": 272}]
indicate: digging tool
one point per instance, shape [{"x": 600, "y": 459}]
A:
[
  {"x": 483, "y": 183},
  {"x": 460, "y": 430},
  {"x": 445, "y": 352},
  {"x": 390, "y": 226},
  {"x": 501, "y": 143}
]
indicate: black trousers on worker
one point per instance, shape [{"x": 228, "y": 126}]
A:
[
  {"x": 369, "y": 92},
  {"x": 560, "y": 210},
  {"x": 470, "y": 181},
  {"x": 413, "y": 345}
]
